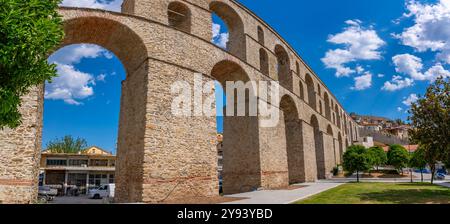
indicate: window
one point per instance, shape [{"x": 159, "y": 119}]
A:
[
  {"x": 264, "y": 62},
  {"x": 179, "y": 16},
  {"x": 56, "y": 162},
  {"x": 78, "y": 162},
  {"x": 260, "y": 35},
  {"x": 98, "y": 162},
  {"x": 111, "y": 178}
]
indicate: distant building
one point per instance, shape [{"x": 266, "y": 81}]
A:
[
  {"x": 410, "y": 148},
  {"x": 364, "y": 120},
  {"x": 372, "y": 127},
  {"x": 366, "y": 142},
  {"x": 87, "y": 169},
  {"x": 399, "y": 131}
]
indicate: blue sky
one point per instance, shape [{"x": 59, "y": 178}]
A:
[{"x": 375, "y": 56}]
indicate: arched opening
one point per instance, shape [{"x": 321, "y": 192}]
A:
[
  {"x": 346, "y": 144},
  {"x": 320, "y": 107},
  {"x": 311, "y": 92},
  {"x": 297, "y": 68},
  {"x": 338, "y": 116},
  {"x": 331, "y": 137},
  {"x": 235, "y": 39},
  {"x": 106, "y": 40},
  {"x": 318, "y": 146},
  {"x": 294, "y": 149},
  {"x": 340, "y": 147},
  {"x": 283, "y": 67},
  {"x": 179, "y": 16},
  {"x": 241, "y": 158},
  {"x": 302, "y": 90},
  {"x": 263, "y": 61},
  {"x": 319, "y": 90},
  {"x": 327, "y": 106},
  {"x": 260, "y": 35}
]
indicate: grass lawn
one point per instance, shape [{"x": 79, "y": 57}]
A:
[{"x": 382, "y": 193}]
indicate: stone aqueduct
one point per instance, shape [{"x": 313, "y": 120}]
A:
[{"x": 162, "y": 157}]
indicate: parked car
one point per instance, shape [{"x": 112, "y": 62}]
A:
[
  {"x": 439, "y": 176},
  {"x": 104, "y": 191},
  {"x": 45, "y": 193}
]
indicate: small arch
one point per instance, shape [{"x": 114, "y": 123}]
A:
[
  {"x": 327, "y": 106},
  {"x": 320, "y": 106},
  {"x": 340, "y": 147},
  {"x": 260, "y": 35},
  {"x": 329, "y": 130},
  {"x": 318, "y": 146},
  {"x": 283, "y": 67},
  {"x": 294, "y": 147},
  {"x": 297, "y": 68},
  {"x": 263, "y": 61},
  {"x": 302, "y": 90},
  {"x": 179, "y": 16},
  {"x": 319, "y": 90},
  {"x": 236, "y": 42},
  {"x": 311, "y": 92},
  {"x": 338, "y": 116}
]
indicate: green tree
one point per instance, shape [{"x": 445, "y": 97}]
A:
[
  {"x": 377, "y": 156},
  {"x": 430, "y": 121},
  {"x": 418, "y": 161},
  {"x": 398, "y": 157},
  {"x": 356, "y": 160},
  {"x": 29, "y": 31},
  {"x": 67, "y": 144}
]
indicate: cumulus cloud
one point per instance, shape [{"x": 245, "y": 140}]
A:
[
  {"x": 71, "y": 85},
  {"x": 397, "y": 83},
  {"x": 74, "y": 53},
  {"x": 219, "y": 39},
  {"x": 431, "y": 28},
  {"x": 410, "y": 99},
  {"x": 399, "y": 109},
  {"x": 363, "y": 82},
  {"x": 411, "y": 65},
  {"x": 359, "y": 44},
  {"x": 111, "y": 5}
]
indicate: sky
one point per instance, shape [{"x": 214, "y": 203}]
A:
[{"x": 375, "y": 56}]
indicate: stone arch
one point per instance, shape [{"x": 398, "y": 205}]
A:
[
  {"x": 340, "y": 147},
  {"x": 319, "y": 90},
  {"x": 179, "y": 16},
  {"x": 241, "y": 155},
  {"x": 327, "y": 106},
  {"x": 318, "y": 146},
  {"x": 338, "y": 116},
  {"x": 297, "y": 68},
  {"x": 128, "y": 46},
  {"x": 237, "y": 43},
  {"x": 294, "y": 146},
  {"x": 302, "y": 90},
  {"x": 263, "y": 61},
  {"x": 320, "y": 107},
  {"x": 261, "y": 35},
  {"x": 311, "y": 92},
  {"x": 283, "y": 67}
]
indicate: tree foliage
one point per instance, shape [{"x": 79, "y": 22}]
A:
[
  {"x": 356, "y": 159},
  {"x": 67, "y": 144},
  {"x": 430, "y": 120},
  {"x": 418, "y": 160},
  {"x": 377, "y": 156},
  {"x": 29, "y": 31},
  {"x": 398, "y": 157}
]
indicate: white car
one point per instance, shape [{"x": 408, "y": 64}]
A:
[{"x": 104, "y": 191}]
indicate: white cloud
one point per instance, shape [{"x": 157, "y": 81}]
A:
[
  {"x": 436, "y": 71},
  {"x": 219, "y": 39},
  {"x": 411, "y": 65},
  {"x": 410, "y": 99},
  {"x": 380, "y": 75},
  {"x": 399, "y": 109},
  {"x": 359, "y": 44},
  {"x": 74, "y": 53},
  {"x": 363, "y": 82},
  {"x": 111, "y": 5},
  {"x": 397, "y": 83},
  {"x": 101, "y": 78},
  {"x": 431, "y": 29},
  {"x": 359, "y": 69},
  {"x": 71, "y": 85}
]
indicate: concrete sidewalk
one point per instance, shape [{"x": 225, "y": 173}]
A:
[{"x": 283, "y": 196}]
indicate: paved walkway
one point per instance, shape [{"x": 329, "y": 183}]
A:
[{"x": 283, "y": 196}]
